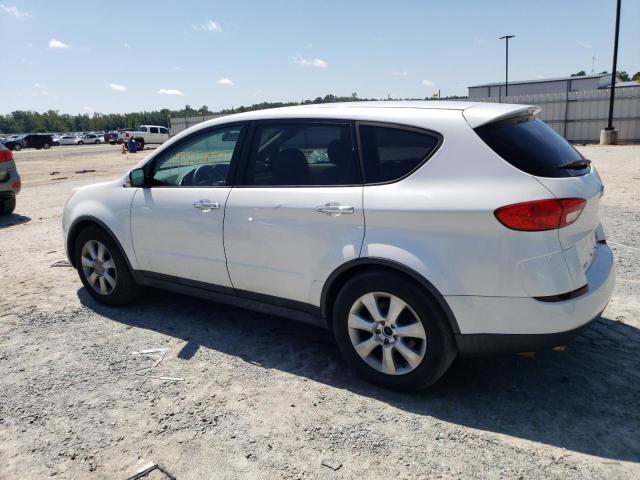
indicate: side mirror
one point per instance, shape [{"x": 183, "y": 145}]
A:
[{"x": 137, "y": 178}]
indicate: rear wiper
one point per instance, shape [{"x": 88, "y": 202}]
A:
[{"x": 576, "y": 165}]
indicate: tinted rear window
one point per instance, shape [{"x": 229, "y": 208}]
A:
[
  {"x": 389, "y": 153},
  {"x": 531, "y": 146}
]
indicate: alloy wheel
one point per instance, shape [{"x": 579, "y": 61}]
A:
[
  {"x": 387, "y": 333},
  {"x": 98, "y": 267}
]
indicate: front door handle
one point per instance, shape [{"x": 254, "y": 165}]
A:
[
  {"x": 206, "y": 205},
  {"x": 335, "y": 209}
]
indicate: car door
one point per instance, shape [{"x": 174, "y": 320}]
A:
[
  {"x": 177, "y": 221},
  {"x": 297, "y": 214},
  {"x": 154, "y": 135}
]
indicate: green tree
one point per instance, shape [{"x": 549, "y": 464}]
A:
[
  {"x": 581, "y": 73},
  {"x": 636, "y": 77}
]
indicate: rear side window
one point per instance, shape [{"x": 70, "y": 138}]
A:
[
  {"x": 531, "y": 146},
  {"x": 153, "y": 130},
  {"x": 388, "y": 153},
  {"x": 143, "y": 129},
  {"x": 299, "y": 154}
]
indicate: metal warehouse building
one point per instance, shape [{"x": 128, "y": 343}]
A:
[{"x": 535, "y": 87}]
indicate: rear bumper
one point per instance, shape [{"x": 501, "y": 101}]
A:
[{"x": 498, "y": 324}]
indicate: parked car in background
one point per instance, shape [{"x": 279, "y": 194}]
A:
[
  {"x": 148, "y": 135},
  {"x": 32, "y": 140},
  {"x": 111, "y": 137},
  {"x": 415, "y": 231},
  {"x": 90, "y": 138},
  {"x": 9, "y": 181},
  {"x": 100, "y": 138},
  {"x": 71, "y": 140}
]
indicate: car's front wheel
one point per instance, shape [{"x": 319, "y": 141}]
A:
[
  {"x": 103, "y": 269},
  {"x": 17, "y": 147},
  {"x": 46, "y": 146},
  {"x": 392, "y": 332}
]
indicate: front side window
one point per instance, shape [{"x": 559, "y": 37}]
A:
[
  {"x": 201, "y": 161},
  {"x": 163, "y": 130},
  {"x": 389, "y": 153},
  {"x": 153, "y": 129},
  {"x": 299, "y": 154}
]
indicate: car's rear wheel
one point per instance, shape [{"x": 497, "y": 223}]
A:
[
  {"x": 80, "y": 142},
  {"x": 392, "y": 332},
  {"x": 46, "y": 146},
  {"x": 141, "y": 144},
  {"x": 103, "y": 269},
  {"x": 8, "y": 205}
]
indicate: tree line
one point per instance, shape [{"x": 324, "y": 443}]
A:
[{"x": 51, "y": 121}]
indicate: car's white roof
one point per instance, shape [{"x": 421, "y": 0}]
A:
[{"x": 476, "y": 113}]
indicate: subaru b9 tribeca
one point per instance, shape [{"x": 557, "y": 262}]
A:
[{"x": 415, "y": 231}]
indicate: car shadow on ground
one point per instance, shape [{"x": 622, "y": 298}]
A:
[
  {"x": 13, "y": 219},
  {"x": 586, "y": 399}
]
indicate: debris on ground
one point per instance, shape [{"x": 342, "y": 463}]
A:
[
  {"x": 147, "y": 469},
  {"x": 61, "y": 263},
  {"x": 86, "y": 170},
  {"x": 331, "y": 463}
]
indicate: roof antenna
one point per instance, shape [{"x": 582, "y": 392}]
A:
[{"x": 593, "y": 61}]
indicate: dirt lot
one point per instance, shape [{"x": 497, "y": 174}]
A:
[{"x": 262, "y": 397}]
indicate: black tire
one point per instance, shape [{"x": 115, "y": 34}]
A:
[
  {"x": 17, "y": 147},
  {"x": 140, "y": 144},
  {"x": 80, "y": 142},
  {"x": 7, "y": 206},
  {"x": 440, "y": 344},
  {"x": 46, "y": 146},
  {"x": 126, "y": 289},
  {"x": 112, "y": 143}
]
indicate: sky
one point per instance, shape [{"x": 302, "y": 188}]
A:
[{"x": 115, "y": 57}]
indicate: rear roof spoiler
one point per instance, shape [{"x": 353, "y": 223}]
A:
[{"x": 483, "y": 113}]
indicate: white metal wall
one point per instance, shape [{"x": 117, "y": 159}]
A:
[
  {"x": 579, "y": 116},
  {"x": 176, "y": 125}
]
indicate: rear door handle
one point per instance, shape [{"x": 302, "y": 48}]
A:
[
  {"x": 206, "y": 205},
  {"x": 334, "y": 209}
]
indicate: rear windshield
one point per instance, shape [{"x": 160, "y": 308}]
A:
[{"x": 531, "y": 146}]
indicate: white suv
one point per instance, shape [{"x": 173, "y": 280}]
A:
[{"x": 416, "y": 231}]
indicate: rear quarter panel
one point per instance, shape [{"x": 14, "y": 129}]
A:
[{"x": 439, "y": 221}]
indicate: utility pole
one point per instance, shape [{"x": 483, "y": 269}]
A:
[
  {"x": 609, "y": 136},
  {"x": 506, "y": 68}
]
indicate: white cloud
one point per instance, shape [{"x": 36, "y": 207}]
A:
[
  {"x": 53, "y": 43},
  {"x": 117, "y": 88},
  {"x": 428, "y": 83},
  {"x": 176, "y": 68},
  {"x": 209, "y": 26},
  {"x": 170, "y": 91},
  {"x": 584, "y": 44},
  {"x": 310, "y": 62},
  {"x": 225, "y": 81},
  {"x": 399, "y": 73},
  {"x": 14, "y": 11},
  {"x": 126, "y": 45},
  {"x": 40, "y": 89},
  {"x": 88, "y": 109}
]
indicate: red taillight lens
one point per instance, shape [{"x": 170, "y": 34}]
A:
[
  {"x": 540, "y": 215},
  {"x": 5, "y": 155},
  {"x": 17, "y": 185}
]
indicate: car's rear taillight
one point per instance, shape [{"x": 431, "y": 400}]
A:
[
  {"x": 539, "y": 215},
  {"x": 5, "y": 155}
]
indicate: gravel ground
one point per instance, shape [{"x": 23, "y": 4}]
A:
[{"x": 236, "y": 394}]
